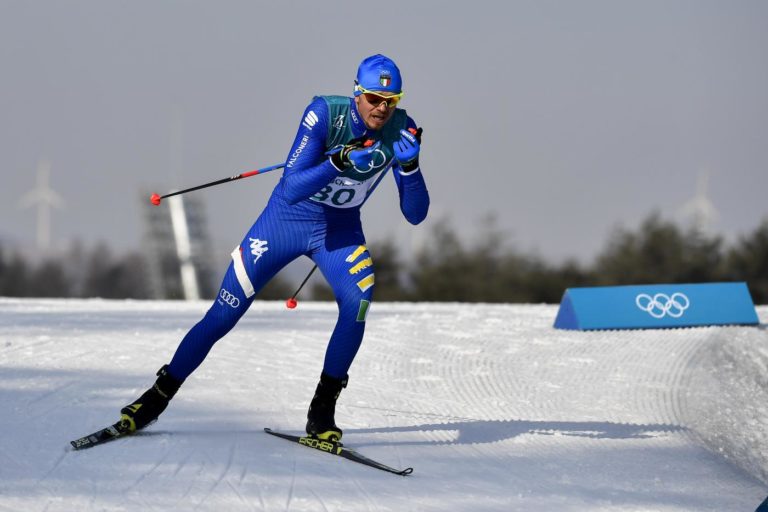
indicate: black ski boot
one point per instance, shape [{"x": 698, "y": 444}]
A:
[
  {"x": 320, "y": 418},
  {"x": 148, "y": 406}
]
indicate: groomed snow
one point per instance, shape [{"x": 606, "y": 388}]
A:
[{"x": 493, "y": 408}]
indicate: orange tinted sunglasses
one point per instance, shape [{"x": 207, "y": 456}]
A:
[{"x": 376, "y": 99}]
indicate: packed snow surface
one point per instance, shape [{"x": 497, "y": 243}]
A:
[{"x": 493, "y": 408}]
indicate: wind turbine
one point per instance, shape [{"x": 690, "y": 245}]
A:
[
  {"x": 700, "y": 209},
  {"x": 45, "y": 198}
]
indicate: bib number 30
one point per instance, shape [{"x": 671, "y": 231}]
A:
[
  {"x": 336, "y": 197},
  {"x": 342, "y": 193}
]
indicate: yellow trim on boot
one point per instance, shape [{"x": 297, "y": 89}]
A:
[
  {"x": 128, "y": 422},
  {"x": 329, "y": 435}
]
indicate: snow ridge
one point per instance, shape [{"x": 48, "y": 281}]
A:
[
  {"x": 727, "y": 401},
  {"x": 494, "y": 408}
]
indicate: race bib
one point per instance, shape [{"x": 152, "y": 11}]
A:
[{"x": 343, "y": 193}]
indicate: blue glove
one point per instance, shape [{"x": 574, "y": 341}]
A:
[
  {"x": 358, "y": 152},
  {"x": 407, "y": 148},
  {"x": 364, "y": 157}
]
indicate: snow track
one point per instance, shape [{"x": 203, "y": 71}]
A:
[{"x": 493, "y": 408}]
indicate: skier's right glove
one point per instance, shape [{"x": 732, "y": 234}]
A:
[
  {"x": 407, "y": 149},
  {"x": 359, "y": 152}
]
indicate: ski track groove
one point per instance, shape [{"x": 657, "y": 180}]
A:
[
  {"x": 143, "y": 476},
  {"x": 56, "y": 464},
  {"x": 182, "y": 463},
  {"x": 243, "y": 473},
  {"x": 225, "y": 473},
  {"x": 7, "y": 459},
  {"x": 216, "y": 480},
  {"x": 262, "y": 502},
  {"x": 239, "y": 495},
  {"x": 370, "y": 503},
  {"x": 319, "y": 500},
  {"x": 291, "y": 487},
  {"x": 51, "y": 392},
  {"x": 191, "y": 485}
]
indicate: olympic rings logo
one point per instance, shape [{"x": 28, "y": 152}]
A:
[
  {"x": 228, "y": 298},
  {"x": 661, "y": 304},
  {"x": 373, "y": 163}
]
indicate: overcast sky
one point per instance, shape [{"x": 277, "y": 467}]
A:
[{"x": 565, "y": 119}]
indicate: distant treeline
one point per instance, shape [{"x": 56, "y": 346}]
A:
[{"x": 449, "y": 268}]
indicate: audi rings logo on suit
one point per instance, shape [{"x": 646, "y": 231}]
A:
[{"x": 225, "y": 297}]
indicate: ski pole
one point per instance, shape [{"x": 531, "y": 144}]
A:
[
  {"x": 291, "y": 303},
  {"x": 156, "y": 198}
]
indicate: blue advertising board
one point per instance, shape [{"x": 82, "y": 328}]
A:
[{"x": 656, "y": 305}]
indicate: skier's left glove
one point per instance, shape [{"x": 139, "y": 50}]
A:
[
  {"x": 407, "y": 149},
  {"x": 358, "y": 152}
]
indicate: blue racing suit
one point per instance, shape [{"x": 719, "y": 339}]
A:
[{"x": 313, "y": 211}]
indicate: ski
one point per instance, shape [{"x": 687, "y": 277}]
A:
[
  {"x": 109, "y": 433},
  {"x": 336, "y": 448}
]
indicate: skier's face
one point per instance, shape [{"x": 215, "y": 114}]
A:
[{"x": 375, "y": 113}]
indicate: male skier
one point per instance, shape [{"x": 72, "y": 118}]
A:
[{"x": 342, "y": 149}]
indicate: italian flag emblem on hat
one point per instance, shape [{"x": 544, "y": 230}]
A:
[{"x": 385, "y": 80}]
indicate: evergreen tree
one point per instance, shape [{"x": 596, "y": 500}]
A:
[
  {"x": 748, "y": 261},
  {"x": 659, "y": 253},
  {"x": 49, "y": 279},
  {"x": 14, "y": 275},
  {"x": 447, "y": 270}
]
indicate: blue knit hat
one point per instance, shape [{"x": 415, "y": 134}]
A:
[{"x": 379, "y": 73}]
